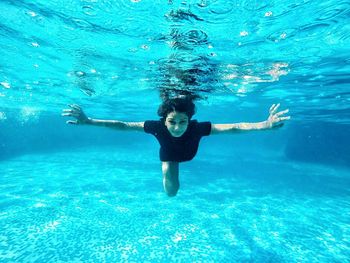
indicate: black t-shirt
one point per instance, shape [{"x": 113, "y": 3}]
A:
[{"x": 178, "y": 149}]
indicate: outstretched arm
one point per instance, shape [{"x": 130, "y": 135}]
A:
[
  {"x": 274, "y": 120},
  {"x": 80, "y": 118}
]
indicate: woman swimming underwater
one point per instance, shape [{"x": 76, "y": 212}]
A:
[{"x": 176, "y": 132}]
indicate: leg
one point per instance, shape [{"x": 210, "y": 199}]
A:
[{"x": 170, "y": 177}]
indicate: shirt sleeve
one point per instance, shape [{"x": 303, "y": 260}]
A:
[
  {"x": 204, "y": 128},
  {"x": 151, "y": 126}
]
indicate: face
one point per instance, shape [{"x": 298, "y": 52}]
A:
[{"x": 177, "y": 123}]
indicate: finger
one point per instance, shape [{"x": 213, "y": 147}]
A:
[
  {"x": 74, "y": 106},
  {"x": 275, "y": 108},
  {"x": 71, "y": 114},
  {"x": 72, "y": 122},
  {"x": 282, "y": 112},
  {"x": 284, "y": 118},
  {"x": 273, "y": 105},
  {"x": 73, "y": 111}
]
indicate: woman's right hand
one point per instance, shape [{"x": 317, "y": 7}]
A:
[{"x": 76, "y": 112}]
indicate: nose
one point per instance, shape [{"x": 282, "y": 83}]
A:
[{"x": 179, "y": 126}]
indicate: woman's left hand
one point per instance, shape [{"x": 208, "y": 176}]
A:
[{"x": 275, "y": 119}]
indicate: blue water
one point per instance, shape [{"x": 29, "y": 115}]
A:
[{"x": 90, "y": 194}]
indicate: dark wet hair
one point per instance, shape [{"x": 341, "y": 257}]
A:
[{"x": 180, "y": 104}]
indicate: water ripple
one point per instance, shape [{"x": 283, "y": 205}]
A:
[
  {"x": 221, "y": 7},
  {"x": 189, "y": 39},
  {"x": 330, "y": 11},
  {"x": 105, "y": 47}
]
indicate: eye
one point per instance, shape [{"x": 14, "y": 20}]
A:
[
  {"x": 183, "y": 122},
  {"x": 172, "y": 122}
]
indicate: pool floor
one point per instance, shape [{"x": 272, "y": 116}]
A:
[{"x": 98, "y": 205}]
